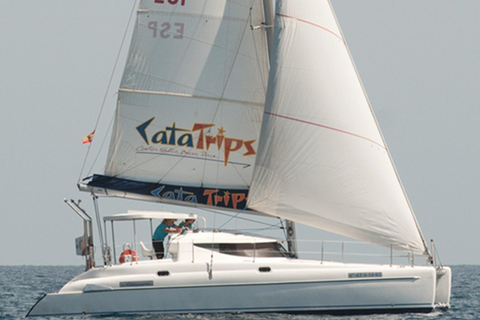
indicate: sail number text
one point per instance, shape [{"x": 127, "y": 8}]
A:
[
  {"x": 181, "y": 2},
  {"x": 167, "y": 30}
]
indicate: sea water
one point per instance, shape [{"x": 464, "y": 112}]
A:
[{"x": 22, "y": 286}]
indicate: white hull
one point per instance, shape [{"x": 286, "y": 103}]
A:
[{"x": 290, "y": 286}]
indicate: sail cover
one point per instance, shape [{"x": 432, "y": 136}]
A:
[
  {"x": 190, "y": 103},
  {"x": 322, "y": 160}
]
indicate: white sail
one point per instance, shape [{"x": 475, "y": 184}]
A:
[
  {"x": 192, "y": 95},
  {"x": 322, "y": 160}
]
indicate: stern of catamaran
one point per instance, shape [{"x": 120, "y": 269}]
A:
[{"x": 443, "y": 288}]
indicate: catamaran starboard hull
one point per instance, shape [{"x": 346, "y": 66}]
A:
[{"x": 329, "y": 290}]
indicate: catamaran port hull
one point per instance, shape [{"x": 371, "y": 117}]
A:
[{"x": 265, "y": 285}]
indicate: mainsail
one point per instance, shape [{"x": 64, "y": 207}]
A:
[
  {"x": 322, "y": 160},
  {"x": 190, "y": 103}
]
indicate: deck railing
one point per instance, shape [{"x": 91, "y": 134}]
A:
[
  {"x": 327, "y": 250},
  {"x": 355, "y": 251}
]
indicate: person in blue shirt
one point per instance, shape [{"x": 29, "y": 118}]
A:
[
  {"x": 188, "y": 224},
  {"x": 167, "y": 226}
]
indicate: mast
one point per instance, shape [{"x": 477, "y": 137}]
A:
[
  {"x": 291, "y": 238},
  {"x": 269, "y": 13}
]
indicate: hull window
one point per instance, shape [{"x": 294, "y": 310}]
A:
[{"x": 266, "y": 250}]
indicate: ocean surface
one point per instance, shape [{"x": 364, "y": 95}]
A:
[{"x": 22, "y": 286}]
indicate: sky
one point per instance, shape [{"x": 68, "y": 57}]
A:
[{"x": 418, "y": 61}]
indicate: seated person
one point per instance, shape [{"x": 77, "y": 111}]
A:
[{"x": 167, "y": 226}]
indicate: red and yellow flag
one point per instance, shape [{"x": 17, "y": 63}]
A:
[{"x": 89, "y": 138}]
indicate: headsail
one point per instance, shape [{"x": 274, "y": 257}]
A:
[
  {"x": 322, "y": 160},
  {"x": 190, "y": 103}
]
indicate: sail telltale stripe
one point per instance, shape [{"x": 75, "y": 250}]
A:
[
  {"x": 325, "y": 127},
  {"x": 313, "y": 24}
]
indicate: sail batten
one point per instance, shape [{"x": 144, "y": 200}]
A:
[{"x": 185, "y": 95}]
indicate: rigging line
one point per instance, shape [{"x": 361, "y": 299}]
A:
[
  {"x": 437, "y": 256},
  {"x": 275, "y": 226},
  {"x": 215, "y": 212},
  {"x": 191, "y": 157},
  {"x": 283, "y": 228},
  {"x": 231, "y": 218},
  {"x": 132, "y": 13},
  {"x": 228, "y": 78},
  {"x": 225, "y": 79},
  {"x": 259, "y": 65},
  {"x": 259, "y": 229},
  {"x": 258, "y": 62},
  {"x": 84, "y": 162},
  {"x": 101, "y": 146}
]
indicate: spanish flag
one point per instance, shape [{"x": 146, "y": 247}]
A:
[{"x": 89, "y": 138}]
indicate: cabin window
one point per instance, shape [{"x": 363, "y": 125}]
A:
[
  {"x": 264, "y": 269},
  {"x": 260, "y": 250},
  {"x": 163, "y": 273}
]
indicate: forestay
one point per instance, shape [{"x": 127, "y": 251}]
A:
[
  {"x": 322, "y": 160},
  {"x": 190, "y": 103}
]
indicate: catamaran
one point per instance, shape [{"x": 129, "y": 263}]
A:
[{"x": 239, "y": 106}]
